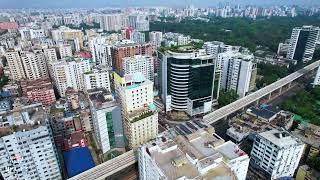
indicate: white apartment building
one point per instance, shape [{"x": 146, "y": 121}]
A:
[
  {"x": 183, "y": 40},
  {"x": 138, "y": 63},
  {"x": 155, "y": 38},
  {"x": 15, "y": 65},
  {"x": 138, "y": 37},
  {"x": 140, "y": 118},
  {"x": 97, "y": 78},
  {"x": 214, "y": 48},
  {"x": 106, "y": 120},
  {"x": 50, "y": 54},
  {"x": 65, "y": 51},
  {"x": 277, "y": 153},
  {"x": 302, "y": 43},
  {"x": 201, "y": 155},
  {"x": 34, "y": 64},
  {"x": 101, "y": 51},
  {"x": 112, "y": 22},
  {"x": 69, "y": 73},
  {"x": 238, "y": 72},
  {"x": 29, "y": 33},
  {"x": 28, "y": 151}
]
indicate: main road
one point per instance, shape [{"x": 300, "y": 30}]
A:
[{"x": 256, "y": 96}]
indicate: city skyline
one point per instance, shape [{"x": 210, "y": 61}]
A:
[{"x": 145, "y": 3}]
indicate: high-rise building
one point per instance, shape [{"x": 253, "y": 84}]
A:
[
  {"x": 139, "y": 22},
  {"x": 302, "y": 43},
  {"x": 40, "y": 90},
  {"x": 238, "y": 72},
  {"x": 138, "y": 37},
  {"x": 97, "y": 78},
  {"x": 30, "y": 33},
  {"x": 112, "y": 22},
  {"x": 34, "y": 64},
  {"x": 69, "y": 73},
  {"x": 277, "y": 153},
  {"x": 27, "y": 150},
  {"x": 155, "y": 38},
  {"x": 15, "y": 65},
  {"x": 101, "y": 51},
  {"x": 214, "y": 48},
  {"x": 50, "y": 54},
  {"x": 201, "y": 155},
  {"x": 189, "y": 80},
  {"x": 65, "y": 33},
  {"x": 138, "y": 63},
  {"x": 140, "y": 118},
  {"x": 106, "y": 120},
  {"x": 122, "y": 50},
  {"x": 65, "y": 51}
]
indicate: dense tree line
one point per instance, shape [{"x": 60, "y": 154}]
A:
[
  {"x": 239, "y": 31},
  {"x": 305, "y": 103}
]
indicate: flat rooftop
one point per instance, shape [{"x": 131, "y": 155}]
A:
[
  {"x": 230, "y": 150},
  {"x": 101, "y": 98},
  {"x": 280, "y": 138},
  {"x": 172, "y": 156}
]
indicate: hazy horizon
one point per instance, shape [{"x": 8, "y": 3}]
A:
[{"x": 142, "y": 3}]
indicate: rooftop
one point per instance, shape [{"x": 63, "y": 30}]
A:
[
  {"x": 280, "y": 138},
  {"x": 38, "y": 117},
  {"x": 101, "y": 98},
  {"x": 173, "y": 156}
]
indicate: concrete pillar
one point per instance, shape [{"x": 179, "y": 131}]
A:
[
  {"x": 289, "y": 85},
  {"x": 269, "y": 96},
  {"x": 280, "y": 90},
  {"x": 257, "y": 103}
]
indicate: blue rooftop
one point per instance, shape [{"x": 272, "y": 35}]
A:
[
  {"x": 78, "y": 160},
  {"x": 68, "y": 114}
]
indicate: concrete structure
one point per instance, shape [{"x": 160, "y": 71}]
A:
[
  {"x": 155, "y": 38},
  {"x": 69, "y": 73},
  {"x": 122, "y": 50},
  {"x": 101, "y": 51},
  {"x": 65, "y": 51},
  {"x": 275, "y": 87},
  {"x": 189, "y": 81},
  {"x": 138, "y": 63},
  {"x": 303, "y": 42},
  {"x": 138, "y": 37},
  {"x": 214, "y": 48},
  {"x": 28, "y": 151},
  {"x": 65, "y": 33},
  {"x": 15, "y": 65},
  {"x": 50, "y": 55},
  {"x": 97, "y": 78},
  {"x": 34, "y": 65},
  {"x": 277, "y": 153},
  {"x": 8, "y": 25},
  {"x": 201, "y": 155},
  {"x": 106, "y": 120},
  {"x": 31, "y": 33},
  {"x": 108, "y": 168},
  {"x": 40, "y": 90},
  {"x": 238, "y": 72},
  {"x": 112, "y": 22},
  {"x": 140, "y": 118},
  {"x": 139, "y": 22}
]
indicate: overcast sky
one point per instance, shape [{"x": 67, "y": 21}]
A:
[{"x": 126, "y": 3}]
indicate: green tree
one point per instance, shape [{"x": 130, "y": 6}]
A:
[{"x": 227, "y": 97}]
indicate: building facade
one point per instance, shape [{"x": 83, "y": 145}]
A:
[
  {"x": 97, "y": 78},
  {"x": 189, "y": 81},
  {"x": 302, "y": 43},
  {"x": 140, "y": 118},
  {"x": 138, "y": 63},
  {"x": 106, "y": 120},
  {"x": 277, "y": 153}
]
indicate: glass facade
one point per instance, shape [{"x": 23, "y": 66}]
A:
[
  {"x": 301, "y": 45},
  {"x": 112, "y": 139}
]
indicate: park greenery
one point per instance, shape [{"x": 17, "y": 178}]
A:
[
  {"x": 306, "y": 103},
  {"x": 239, "y": 31},
  {"x": 270, "y": 73},
  {"x": 227, "y": 97}
]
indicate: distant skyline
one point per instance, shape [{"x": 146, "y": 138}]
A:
[{"x": 142, "y": 3}]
